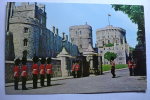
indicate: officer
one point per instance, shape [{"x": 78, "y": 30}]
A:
[
  {"x": 73, "y": 69},
  {"x": 24, "y": 73},
  {"x": 42, "y": 71},
  {"x": 48, "y": 71},
  {"x": 16, "y": 73},
  {"x": 35, "y": 71},
  {"x": 112, "y": 63},
  {"x": 77, "y": 69},
  {"x": 130, "y": 66}
]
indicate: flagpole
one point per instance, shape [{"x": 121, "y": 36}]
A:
[{"x": 109, "y": 19}]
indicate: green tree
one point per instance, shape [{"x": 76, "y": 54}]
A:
[
  {"x": 136, "y": 15},
  {"x": 110, "y": 55}
]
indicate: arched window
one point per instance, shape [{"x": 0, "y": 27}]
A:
[{"x": 25, "y": 42}]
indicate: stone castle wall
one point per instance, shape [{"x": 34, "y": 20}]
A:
[{"x": 30, "y": 35}]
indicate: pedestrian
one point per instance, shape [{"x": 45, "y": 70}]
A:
[
  {"x": 77, "y": 69},
  {"x": 42, "y": 72},
  {"x": 73, "y": 69},
  {"x": 112, "y": 63},
  {"x": 16, "y": 73},
  {"x": 130, "y": 65},
  {"x": 35, "y": 71},
  {"x": 24, "y": 73},
  {"x": 49, "y": 71}
]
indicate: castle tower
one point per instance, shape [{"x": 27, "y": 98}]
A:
[
  {"x": 81, "y": 35},
  {"x": 27, "y": 24},
  {"x": 112, "y": 39}
]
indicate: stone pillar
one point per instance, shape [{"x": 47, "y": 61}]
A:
[
  {"x": 63, "y": 55},
  {"x": 64, "y": 66}
]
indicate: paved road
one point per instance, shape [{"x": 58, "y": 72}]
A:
[{"x": 93, "y": 84}]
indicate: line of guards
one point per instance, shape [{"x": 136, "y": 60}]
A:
[
  {"x": 36, "y": 70},
  {"x": 42, "y": 70}
]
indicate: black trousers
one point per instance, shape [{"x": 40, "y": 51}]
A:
[
  {"x": 42, "y": 77},
  {"x": 76, "y": 74},
  {"x": 113, "y": 71},
  {"x": 73, "y": 74},
  {"x": 48, "y": 79},
  {"x": 35, "y": 79},
  {"x": 131, "y": 71},
  {"x": 16, "y": 80},
  {"x": 24, "y": 79}
]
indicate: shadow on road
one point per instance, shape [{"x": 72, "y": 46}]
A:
[{"x": 30, "y": 88}]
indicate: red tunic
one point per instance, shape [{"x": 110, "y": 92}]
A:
[
  {"x": 77, "y": 67},
  {"x": 73, "y": 67},
  {"x": 16, "y": 71},
  {"x": 130, "y": 64},
  {"x": 42, "y": 69},
  {"x": 24, "y": 70},
  {"x": 49, "y": 69},
  {"x": 35, "y": 69}
]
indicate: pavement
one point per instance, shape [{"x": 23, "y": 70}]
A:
[{"x": 86, "y": 85}]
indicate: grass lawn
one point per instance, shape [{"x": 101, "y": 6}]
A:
[{"x": 118, "y": 66}]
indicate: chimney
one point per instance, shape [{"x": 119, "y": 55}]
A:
[
  {"x": 63, "y": 36},
  {"x": 66, "y": 37},
  {"x": 53, "y": 28},
  {"x": 56, "y": 31}
]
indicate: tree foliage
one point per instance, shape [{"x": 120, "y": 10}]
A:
[
  {"x": 109, "y": 45},
  {"x": 110, "y": 55},
  {"x": 136, "y": 15}
]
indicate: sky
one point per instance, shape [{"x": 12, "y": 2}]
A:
[{"x": 64, "y": 15}]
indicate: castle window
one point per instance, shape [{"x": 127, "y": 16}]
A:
[
  {"x": 103, "y": 43},
  {"x": 76, "y": 32},
  {"x": 121, "y": 41},
  {"x": 72, "y": 39},
  {"x": 26, "y": 30},
  {"x": 80, "y": 46},
  {"x": 80, "y": 32},
  {"x": 25, "y": 42}
]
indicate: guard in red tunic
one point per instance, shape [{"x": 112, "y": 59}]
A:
[
  {"x": 73, "y": 69},
  {"x": 16, "y": 73},
  {"x": 49, "y": 71},
  {"x": 42, "y": 71},
  {"x": 35, "y": 71},
  {"x": 112, "y": 63},
  {"x": 130, "y": 65},
  {"x": 24, "y": 73},
  {"x": 77, "y": 69}
]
